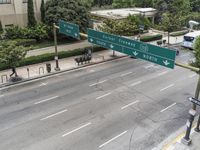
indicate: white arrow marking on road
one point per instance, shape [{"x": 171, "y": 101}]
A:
[
  {"x": 168, "y": 107},
  {"x": 113, "y": 139},
  {"x": 135, "y": 53},
  {"x": 50, "y": 116},
  {"x": 1, "y": 96},
  {"x": 111, "y": 46},
  {"x": 77, "y": 129},
  {"x": 166, "y": 63},
  {"x": 43, "y": 84}
]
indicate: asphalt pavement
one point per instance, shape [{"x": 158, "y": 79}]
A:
[{"x": 126, "y": 104}]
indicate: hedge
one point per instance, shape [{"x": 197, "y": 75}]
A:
[
  {"x": 50, "y": 56},
  {"x": 151, "y": 38},
  {"x": 179, "y": 33}
]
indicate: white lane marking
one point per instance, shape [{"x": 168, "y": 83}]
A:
[
  {"x": 136, "y": 83},
  {"x": 50, "y": 116},
  {"x": 171, "y": 85},
  {"x": 42, "y": 101},
  {"x": 102, "y": 145},
  {"x": 149, "y": 66},
  {"x": 163, "y": 73},
  {"x": 168, "y": 107},
  {"x": 126, "y": 106},
  {"x": 125, "y": 74},
  {"x": 83, "y": 126},
  {"x": 1, "y": 96},
  {"x": 98, "y": 83},
  {"x": 193, "y": 75},
  {"x": 43, "y": 84},
  {"x": 103, "y": 96}
]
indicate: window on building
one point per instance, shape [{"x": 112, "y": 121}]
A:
[
  {"x": 5, "y": 1},
  {"x": 25, "y": 1}
]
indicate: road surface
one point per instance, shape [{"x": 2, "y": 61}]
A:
[{"x": 126, "y": 104}]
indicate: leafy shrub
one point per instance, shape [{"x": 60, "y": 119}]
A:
[
  {"x": 179, "y": 33},
  {"x": 38, "y": 32},
  {"x": 151, "y": 38}
]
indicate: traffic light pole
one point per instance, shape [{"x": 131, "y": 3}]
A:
[
  {"x": 186, "y": 139},
  {"x": 57, "y": 68}
]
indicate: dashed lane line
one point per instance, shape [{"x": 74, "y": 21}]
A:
[
  {"x": 125, "y": 74},
  {"x": 42, "y": 101},
  {"x": 167, "y": 87},
  {"x": 168, "y": 107},
  {"x": 79, "y": 128},
  {"x": 98, "y": 83},
  {"x": 103, "y": 96},
  {"x": 55, "y": 114},
  {"x": 136, "y": 83},
  {"x": 126, "y": 106},
  {"x": 102, "y": 145}
]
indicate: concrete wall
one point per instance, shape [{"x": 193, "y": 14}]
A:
[{"x": 16, "y": 12}]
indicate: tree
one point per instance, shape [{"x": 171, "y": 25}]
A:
[
  {"x": 195, "y": 5},
  {"x": 69, "y": 10},
  {"x": 31, "y": 15},
  {"x": 123, "y": 3},
  {"x": 42, "y": 10},
  {"x": 120, "y": 27},
  {"x": 11, "y": 54},
  {"x": 170, "y": 22},
  {"x": 197, "y": 50}
]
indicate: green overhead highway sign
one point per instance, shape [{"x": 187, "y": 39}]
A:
[
  {"x": 159, "y": 55},
  {"x": 69, "y": 29}
]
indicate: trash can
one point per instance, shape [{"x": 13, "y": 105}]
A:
[{"x": 48, "y": 67}]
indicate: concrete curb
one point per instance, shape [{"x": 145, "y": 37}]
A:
[{"x": 62, "y": 71}]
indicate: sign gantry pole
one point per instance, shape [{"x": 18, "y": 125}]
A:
[{"x": 57, "y": 68}]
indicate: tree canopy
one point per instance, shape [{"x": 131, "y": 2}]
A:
[
  {"x": 73, "y": 11},
  {"x": 11, "y": 53}
]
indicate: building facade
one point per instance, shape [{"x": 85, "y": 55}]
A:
[{"x": 14, "y": 12}]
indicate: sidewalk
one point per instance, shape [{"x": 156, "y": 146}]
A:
[
  {"x": 173, "y": 142},
  {"x": 79, "y": 44},
  {"x": 64, "y": 64}
]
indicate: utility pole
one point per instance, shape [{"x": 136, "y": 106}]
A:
[{"x": 57, "y": 68}]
